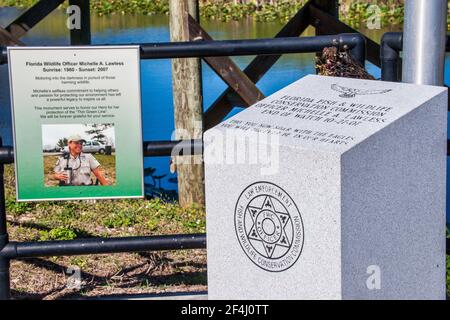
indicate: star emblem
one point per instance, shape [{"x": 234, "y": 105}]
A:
[{"x": 268, "y": 227}]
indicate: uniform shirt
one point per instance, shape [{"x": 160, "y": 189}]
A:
[{"x": 81, "y": 168}]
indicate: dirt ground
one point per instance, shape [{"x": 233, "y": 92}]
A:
[{"x": 107, "y": 274}]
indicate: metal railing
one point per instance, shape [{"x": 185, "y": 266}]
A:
[{"x": 391, "y": 46}]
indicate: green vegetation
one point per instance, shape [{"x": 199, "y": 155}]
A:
[
  {"x": 64, "y": 220},
  {"x": 352, "y": 12},
  {"x": 281, "y": 10},
  {"x": 448, "y": 275},
  {"x": 448, "y": 266},
  {"x": 355, "y": 13},
  {"x": 17, "y": 208},
  {"x": 123, "y": 218},
  {"x": 60, "y": 233}
]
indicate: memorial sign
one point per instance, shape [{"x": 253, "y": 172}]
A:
[
  {"x": 76, "y": 122},
  {"x": 331, "y": 188}
]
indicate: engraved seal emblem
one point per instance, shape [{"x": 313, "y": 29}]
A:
[{"x": 269, "y": 226}]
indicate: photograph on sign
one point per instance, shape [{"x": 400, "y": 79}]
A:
[
  {"x": 85, "y": 158},
  {"x": 77, "y": 122}
]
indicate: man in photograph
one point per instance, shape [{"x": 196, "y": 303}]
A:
[{"x": 74, "y": 168}]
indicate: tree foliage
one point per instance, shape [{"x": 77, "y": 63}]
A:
[
  {"x": 62, "y": 143},
  {"x": 96, "y": 132}
]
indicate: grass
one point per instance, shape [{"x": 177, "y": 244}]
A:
[
  {"x": 105, "y": 217},
  {"x": 130, "y": 273}
]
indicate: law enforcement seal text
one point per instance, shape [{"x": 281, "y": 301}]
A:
[{"x": 269, "y": 226}]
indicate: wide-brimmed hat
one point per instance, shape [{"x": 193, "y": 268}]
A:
[{"x": 75, "y": 137}]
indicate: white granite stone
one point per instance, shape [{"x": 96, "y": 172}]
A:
[{"x": 331, "y": 188}]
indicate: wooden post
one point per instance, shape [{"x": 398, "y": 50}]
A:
[
  {"x": 81, "y": 36},
  {"x": 188, "y": 105}
]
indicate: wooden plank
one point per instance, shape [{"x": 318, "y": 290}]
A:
[
  {"x": 258, "y": 67},
  {"x": 327, "y": 24},
  {"x": 31, "y": 17},
  {"x": 188, "y": 107},
  {"x": 226, "y": 69},
  {"x": 329, "y": 6},
  {"x": 7, "y": 39}
]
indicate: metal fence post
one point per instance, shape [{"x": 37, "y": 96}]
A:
[
  {"x": 391, "y": 45},
  {"x": 424, "y": 37},
  {"x": 5, "y": 291}
]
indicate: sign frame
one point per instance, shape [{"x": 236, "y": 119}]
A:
[{"x": 128, "y": 179}]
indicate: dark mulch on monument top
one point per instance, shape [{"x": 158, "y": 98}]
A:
[{"x": 340, "y": 63}]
